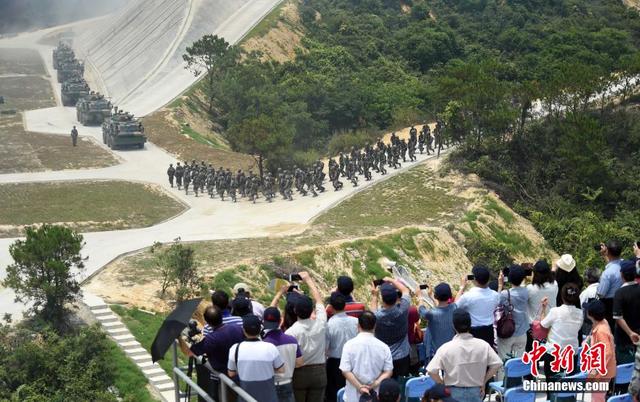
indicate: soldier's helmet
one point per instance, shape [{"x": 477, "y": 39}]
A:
[
  {"x": 171, "y": 164},
  {"x": 178, "y": 164}
]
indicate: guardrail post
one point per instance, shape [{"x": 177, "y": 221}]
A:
[{"x": 176, "y": 381}]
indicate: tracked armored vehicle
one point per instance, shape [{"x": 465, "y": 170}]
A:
[
  {"x": 74, "y": 90},
  {"x": 93, "y": 110},
  {"x": 62, "y": 53},
  {"x": 70, "y": 68},
  {"x": 123, "y": 130}
]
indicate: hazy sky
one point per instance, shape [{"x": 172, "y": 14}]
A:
[{"x": 21, "y": 15}]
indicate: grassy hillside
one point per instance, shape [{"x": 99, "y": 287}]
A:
[{"x": 435, "y": 223}]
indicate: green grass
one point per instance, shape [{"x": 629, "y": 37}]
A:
[
  {"x": 129, "y": 380},
  {"x": 144, "y": 327},
  {"x": 196, "y": 136},
  {"x": 225, "y": 280},
  {"x": 86, "y": 206},
  {"x": 492, "y": 205},
  {"x": 411, "y": 198},
  {"x": 266, "y": 24}
]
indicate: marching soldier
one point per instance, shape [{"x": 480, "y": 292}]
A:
[
  {"x": 74, "y": 136},
  {"x": 171, "y": 173},
  {"x": 179, "y": 173}
]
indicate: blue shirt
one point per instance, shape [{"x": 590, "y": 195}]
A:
[
  {"x": 392, "y": 327},
  {"x": 340, "y": 329},
  {"x": 227, "y": 318},
  {"x": 520, "y": 302},
  {"x": 440, "y": 326},
  {"x": 610, "y": 281}
]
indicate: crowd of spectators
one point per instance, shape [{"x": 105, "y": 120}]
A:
[{"x": 300, "y": 349}]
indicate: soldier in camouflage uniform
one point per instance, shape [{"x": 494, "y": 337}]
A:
[
  {"x": 171, "y": 172},
  {"x": 187, "y": 180},
  {"x": 179, "y": 173}
]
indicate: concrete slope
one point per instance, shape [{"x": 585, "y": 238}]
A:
[{"x": 135, "y": 56}]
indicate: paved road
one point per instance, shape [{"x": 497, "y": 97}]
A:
[{"x": 205, "y": 219}]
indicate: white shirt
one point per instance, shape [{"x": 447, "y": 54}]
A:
[
  {"x": 311, "y": 336},
  {"x": 340, "y": 329},
  {"x": 480, "y": 303},
  {"x": 588, "y": 293},
  {"x": 366, "y": 357},
  {"x": 257, "y": 308},
  {"x": 537, "y": 293},
  {"x": 563, "y": 322}
]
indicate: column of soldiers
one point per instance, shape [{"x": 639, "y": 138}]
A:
[{"x": 201, "y": 178}]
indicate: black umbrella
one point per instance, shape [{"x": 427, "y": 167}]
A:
[{"x": 171, "y": 328}]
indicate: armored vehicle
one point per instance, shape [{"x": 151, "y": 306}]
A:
[
  {"x": 69, "y": 68},
  {"x": 123, "y": 130},
  {"x": 62, "y": 52},
  {"x": 92, "y": 110},
  {"x": 73, "y": 90}
]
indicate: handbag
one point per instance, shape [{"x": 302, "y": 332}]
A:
[
  {"x": 505, "y": 324},
  {"x": 538, "y": 332}
]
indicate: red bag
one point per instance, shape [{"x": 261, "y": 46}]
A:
[
  {"x": 505, "y": 324},
  {"x": 538, "y": 332}
]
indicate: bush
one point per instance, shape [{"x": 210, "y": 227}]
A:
[{"x": 344, "y": 141}]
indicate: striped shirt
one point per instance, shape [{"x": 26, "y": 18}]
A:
[{"x": 227, "y": 318}]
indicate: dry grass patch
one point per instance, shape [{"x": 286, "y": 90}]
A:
[{"x": 84, "y": 206}]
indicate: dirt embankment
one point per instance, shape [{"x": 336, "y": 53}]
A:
[{"x": 430, "y": 223}]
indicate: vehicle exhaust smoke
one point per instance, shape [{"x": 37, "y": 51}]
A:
[{"x": 24, "y": 15}]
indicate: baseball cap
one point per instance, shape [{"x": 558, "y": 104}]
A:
[
  {"x": 442, "y": 291},
  {"x": 389, "y": 293},
  {"x": 345, "y": 285},
  {"x": 241, "y": 286},
  {"x": 251, "y": 324},
  {"x": 389, "y": 391},
  {"x": 271, "y": 318},
  {"x": 481, "y": 273},
  {"x": 439, "y": 392}
]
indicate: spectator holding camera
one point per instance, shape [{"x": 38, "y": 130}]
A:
[
  {"x": 480, "y": 302},
  {"x": 626, "y": 313},
  {"x": 543, "y": 286},
  {"x": 592, "y": 277},
  {"x": 439, "y": 319},
  {"x": 345, "y": 288},
  {"x": 393, "y": 322},
  {"x": 610, "y": 281},
  {"x": 310, "y": 380},
  {"x": 215, "y": 345}
]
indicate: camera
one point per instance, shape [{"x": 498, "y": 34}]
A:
[
  {"x": 597, "y": 246},
  {"x": 378, "y": 282},
  {"x": 295, "y": 278},
  {"x": 471, "y": 277},
  {"x": 193, "y": 329},
  {"x": 423, "y": 287}
]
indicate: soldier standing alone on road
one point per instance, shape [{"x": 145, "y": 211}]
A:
[
  {"x": 171, "y": 172},
  {"x": 74, "y": 136}
]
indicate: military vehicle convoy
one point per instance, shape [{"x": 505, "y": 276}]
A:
[
  {"x": 93, "y": 110},
  {"x": 62, "y": 52},
  {"x": 74, "y": 89},
  {"x": 123, "y": 130},
  {"x": 68, "y": 68},
  {"x": 120, "y": 129}
]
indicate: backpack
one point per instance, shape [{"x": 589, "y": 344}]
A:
[{"x": 505, "y": 325}]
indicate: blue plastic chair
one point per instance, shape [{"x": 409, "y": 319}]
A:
[
  {"x": 624, "y": 373},
  {"x": 513, "y": 369},
  {"x": 518, "y": 394},
  {"x": 620, "y": 398},
  {"x": 341, "y": 395},
  {"x": 416, "y": 387},
  {"x": 562, "y": 395}
]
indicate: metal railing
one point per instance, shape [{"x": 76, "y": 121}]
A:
[{"x": 226, "y": 384}]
